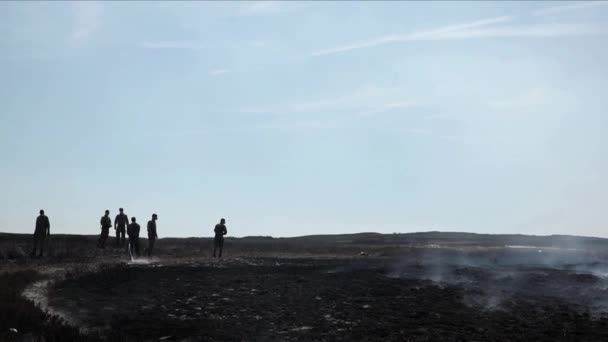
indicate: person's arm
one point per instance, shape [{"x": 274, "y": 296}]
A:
[
  {"x": 48, "y": 227},
  {"x": 115, "y": 221},
  {"x": 225, "y": 230},
  {"x": 155, "y": 233}
]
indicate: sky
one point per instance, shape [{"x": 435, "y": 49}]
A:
[{"x": 298, "y": 118}]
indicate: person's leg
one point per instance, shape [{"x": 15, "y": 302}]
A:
[
  {"x": 35, "y": 243},
  {"x": 41, "y": 241},
  {"x": 101, "y": 239},
  {"x": 117, "y": 237},
  {"x": 104, "y": 237},
  {"x": 136, "y": 246},
  {"x": 221, "y": 247},
  {"x": 122, "y": 237},
  {"x": 150, "y": 246},
  {"x": 214, "y": 247}
]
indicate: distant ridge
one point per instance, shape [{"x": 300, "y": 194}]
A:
[{"x": 435, "y": 237}]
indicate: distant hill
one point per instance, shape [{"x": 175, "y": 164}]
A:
[
  {"x": 419, "y": 238},
  {"x": 18, "y": 246}
]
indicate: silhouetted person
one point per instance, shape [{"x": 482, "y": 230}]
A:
[
  {"x": 106, "y": 224},
  {"x": 43, "y": 229},
  {"x": 220, "y": 230},
  {"x": 133, "y": 232},
  {"x": 120, "y": 225},
  {"x": 152, "y": 236}
]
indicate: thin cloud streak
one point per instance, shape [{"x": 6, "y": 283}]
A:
[
  {"x": 526, "y": 31},
  {"x": 419, "y": 131},
  {"x": 421, "y": 35},
  {"x": 534, "y": 98},
  {"x": 363, "y": 102},
  {"x": 173, "y": 44},
  {"x": 485, "y": 28},
  {"x": 86, "y": 20},
  {"x": 218, "y": 72},
  {"x": 260, "y": 8},
  {"x": 196, "y": 45},
  {"x": 570, "y": 7},
  {"x": 385, "y": 108}
]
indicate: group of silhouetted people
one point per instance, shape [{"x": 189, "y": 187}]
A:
[{"x": 122, "y": 226}]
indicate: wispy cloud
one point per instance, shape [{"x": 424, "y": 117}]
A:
[
  {"x": 217, "y": 72},
  {"x": 366, "y": 101},
  {"x": 173, "y": 44},
  {"x": 523, "y": 31},
  {"x": 382, "y": 108},
  {"x": 258, "y": 43},
  {"x": 460, "y": 139},
  {"x": 260, "y": 8},
  {"x": 297, "y": 125},
  {"x": 420, "y": 35},
  {"x": 497, "y": 27},
  {"x": 419, "y": 131},
  {"x": 87, "y": 20},
  {"x": 533, "y": 98},
  {"x": 579, "y": 5},
  {"x": 197, "y": 45}
]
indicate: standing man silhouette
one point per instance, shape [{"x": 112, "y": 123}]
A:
[
  {"x": 106, "y": 224},
  {"x": 133, "y": 232},
  {"x": 152, "y": 235},
  {"x": 220, "y": 230},
  {"x": 43, "y": 229},
  {"x": 120, "y": 225}
]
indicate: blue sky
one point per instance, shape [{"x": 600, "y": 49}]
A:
[{"x": 296, "y": 118}]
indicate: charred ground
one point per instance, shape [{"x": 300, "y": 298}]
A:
[{"x": 416, "y": 287}]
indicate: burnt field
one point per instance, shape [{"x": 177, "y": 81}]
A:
[{"x": 433, "y": 287}]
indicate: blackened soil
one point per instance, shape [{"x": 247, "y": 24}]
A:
[
  {"x": 320, "y": 300},
  {"x": 22, "y": 320}
]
